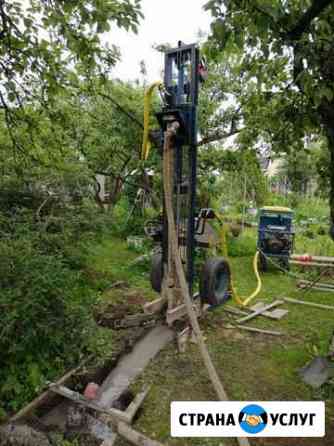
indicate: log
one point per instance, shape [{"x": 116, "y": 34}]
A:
[
  {"x": 259, "y": 311},
  {"x": 38, "y": 401},
  {"x": 310, "y": 304}
]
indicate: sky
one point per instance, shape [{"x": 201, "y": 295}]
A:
[{"x": 165, "y": 21}]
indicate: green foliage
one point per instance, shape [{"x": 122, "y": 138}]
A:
[
  {"x": 128, "y": 219},
  {"x": 241, "y": 181},
  {"x": 46, "y": 296},
  {"x": 272, "y": 68},
  {"x": 46, "y": 46},
  {"x": 242, "y": 246},
  {"x": 45, "y": 309},
  {"x": 61, "y": 123}
]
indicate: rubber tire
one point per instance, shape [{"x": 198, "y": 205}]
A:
[
  {"x": 215, "y": 270},
  {"x": 262, "y": 263},
  {"x": 156, "y": 275}
]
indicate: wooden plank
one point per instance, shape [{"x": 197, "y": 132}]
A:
[
  {"x": 155, "y": 306},
  {"x": 260, "y": 311},
  {"x": 315, "y": 282},
  {"x": 176, "y": 313},
  {"x": 321, "y": 288},
  {"x": 134, "y": 437},
  {"x": 131, "y": 412},
  {"x": 182, "y": 339},
  {"x": 274, "y": 314},
  {"x": 278, "y": 314},
  {"x": 135, "y": 320},
  {"x": 27, "y": 410},
  {"x": 310, "y": 304},
  {"x": 316, "y": 287},
  {"x": 235, "y": 311},
  {"x": 312, "y": 258},
  {"x": 136, "y": 403},
  {"x": 115, "y": 414},
  {"x": 321, "y": 265},
  {"x": 259, "y": 330}
]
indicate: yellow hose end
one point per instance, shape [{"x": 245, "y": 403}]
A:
[
  {"x": 259, "y": 281},
  {"x": 147, "y": 108},
  {"x": 236, "y": 297}
]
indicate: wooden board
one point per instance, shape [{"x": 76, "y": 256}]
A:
[
  {"x": 274, "y": 314},
  {"x": 260, "y": 311},
  {"x": 45, "y": 396},
  {"x": 310, "y": 304},
  {"x": 156, "y": 306}
]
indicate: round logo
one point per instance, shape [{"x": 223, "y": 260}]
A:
[{"x": 253, "y": 419}]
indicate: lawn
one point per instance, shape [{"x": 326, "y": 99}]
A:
[{"x": 252, "y": 366}]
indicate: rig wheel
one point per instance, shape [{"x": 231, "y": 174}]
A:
[
  {"x": 156, "y": 272},
  {"x": 215, "y": 281}
]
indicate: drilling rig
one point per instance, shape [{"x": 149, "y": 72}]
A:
[{"x": 183, "y": 73}]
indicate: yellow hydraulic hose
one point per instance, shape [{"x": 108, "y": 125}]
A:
[
  {"x": 147, "y": 108},
  {"x": 259, "y": 281},
  {"x": 236, "y": 297}
]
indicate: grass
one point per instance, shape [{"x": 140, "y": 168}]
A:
[
  {"x": 252, "y": 366},
  {"x": 111, "y": 258}
]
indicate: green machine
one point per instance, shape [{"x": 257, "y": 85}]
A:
[{"x": 275, "y": 236}]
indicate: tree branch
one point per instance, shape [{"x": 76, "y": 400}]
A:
[
  {"x": 217, "y": 136},
  {"x": 316, "y": 8},
  {"x": 131, "y": 116}
]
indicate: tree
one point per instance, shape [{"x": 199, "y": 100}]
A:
[
  {"x": 50, "y": 46},
  {"x": 108, "y": 137},
  {"x": 90, "y": 134},
  {"x": 284, "y": 54}
]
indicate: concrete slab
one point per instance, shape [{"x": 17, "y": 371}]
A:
[{"x": 133, "y": 364}]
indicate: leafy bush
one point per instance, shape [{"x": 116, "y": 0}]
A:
[
  {"x": 244, "y": 245},
  {"x": 129, "y": 219},
  {"x": 45, "y": 315},
  {"x": 45, "y": 299}
]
